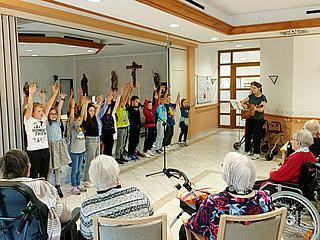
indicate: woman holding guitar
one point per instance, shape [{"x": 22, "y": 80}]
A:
[{"x": 255, "y": 104}]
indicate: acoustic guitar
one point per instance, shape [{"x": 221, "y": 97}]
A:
[{"x": 250, "y": 111}]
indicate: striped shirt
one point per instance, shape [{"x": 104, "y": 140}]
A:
[{"x": 117, "y": 202}]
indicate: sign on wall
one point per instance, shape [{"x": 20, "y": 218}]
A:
[{"x": 205, "y": 85}]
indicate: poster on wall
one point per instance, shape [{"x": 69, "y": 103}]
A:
[{"x": 205, "y": 88}]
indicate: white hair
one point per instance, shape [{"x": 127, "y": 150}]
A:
[
  {"x": 239, "y": 172},
  {"x": 304, "y": 137},
  {"x": 312, "y": 126},
  {"x": 104, "y": 172}
]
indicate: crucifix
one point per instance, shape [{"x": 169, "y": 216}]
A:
[{"x": 134, "y": 67}]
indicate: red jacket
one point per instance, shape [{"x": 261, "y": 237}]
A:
[
  {"x": 290, "y": 170},
  {"x": 150, "y": 120}
]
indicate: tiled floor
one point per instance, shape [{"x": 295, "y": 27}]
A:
[{"x": 200, "y": 161}]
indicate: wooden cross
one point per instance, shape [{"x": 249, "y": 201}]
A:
[{"x": 134, "y": 67}]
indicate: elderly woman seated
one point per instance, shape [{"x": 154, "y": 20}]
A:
[
  {"x": 111, "y": 200},
  {"x": 290, "y": 170},
  {"x": 15, "y": 166},
  {"x": 237, "y": 199}
]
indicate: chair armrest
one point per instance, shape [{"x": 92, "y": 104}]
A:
[
  {"x": 65, "y": 227},
  {"x": 190, "y": 232}
]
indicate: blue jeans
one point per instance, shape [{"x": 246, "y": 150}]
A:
[{"x": 77, "y": 159}]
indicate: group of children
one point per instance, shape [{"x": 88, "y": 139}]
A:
[{"x": 91, "y": 129}]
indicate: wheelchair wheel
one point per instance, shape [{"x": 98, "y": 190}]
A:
[
  {"x": 269, "y": 156},
  {"x": 236, "y": 145},
  {"x": 275, "y": 151},
  {"x": 265, "y": 148},
  {"x": 302, "y": 220}
]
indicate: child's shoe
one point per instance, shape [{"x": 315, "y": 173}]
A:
[
  {"x": 132, "y": 158},
  {"x": 75, "y": 191},
  {"x": 181, "y": 144},
  {"x": 147, "y": 155},
  {"x": 81, "y": 188},
  {"x": 185, "y": 144},
  {"x": 150, "y": 153}
]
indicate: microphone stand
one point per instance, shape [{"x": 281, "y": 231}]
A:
[{"x": 164, "y": 124}]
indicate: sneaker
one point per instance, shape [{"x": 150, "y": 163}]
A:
[
  {"x": 60, "y": 193},
  {"x": 185, "y": 144},
  {"x": 136, "y": 157},
  {"x": 119, "y": 161},
  {"x": 81, "y": 188},
  {"x": 245, "y": 153},
  {"x": 132, "y": 158},
  {"x": 181, "y": 144},
  {"x": 140, "y": 154},
  {"x": 255, "y": 156},
  {"x": 88, "y": 185},
  {"x": 123, "y": 159},
  {"x": 75, "y": 191},
  {"x": 171, "y": 147},
  {"x": 150, "y": 153},
  {"x": 147, "y": 155},
  {"x": 159, "y": 151}
]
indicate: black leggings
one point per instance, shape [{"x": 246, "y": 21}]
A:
[
  {"x": 253, "y": 131},
  {"x": 133, "y": 139},
  {"x": 39, "y": 160},
  {"x": 168, "y": 134},
  {"x": 108, "y": 143},
  {"x": 184, "y": 132},
  {"x": 149, "y": 138}
]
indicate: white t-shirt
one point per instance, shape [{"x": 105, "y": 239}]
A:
[{"x": 36, "y": 133}]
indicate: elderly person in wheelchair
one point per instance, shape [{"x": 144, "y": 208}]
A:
[
  {"x": 237, "y": 199},
  {"x": 313, "y": 127},
  {"x": 290, "y": 170},
  {"x": 15, "y": 167},
  {"x": 112, "y": 200}
]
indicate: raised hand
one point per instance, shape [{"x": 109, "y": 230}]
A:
[
  {"x": 71, "y": 93},
  {"x": 73, "y": 102},
  {"x": 121, "y": 90},
  {"x": 55, "y": 88},
  {"x": 32, "y": 88},
  {"x": 146, "y": 98},
  {"x": 80, "y": 92},
  {"x": 156, "y": 95},
  {"x": 99, "y": 99},
  {"x": 63, "y": 95},
  {"x": 138, "y": 84}
]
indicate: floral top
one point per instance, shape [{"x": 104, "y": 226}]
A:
[{"x": 206, "y": 220}]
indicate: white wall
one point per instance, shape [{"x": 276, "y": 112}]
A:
[
  {"x": 98, "y": 72},
  {"x": 306, "y": 73},
  {"x": 207, "y": 65},
  {"x": 276, "y": 58},
  {"x": 178, "y": 82},
  {"x": 42, "y": 69}
]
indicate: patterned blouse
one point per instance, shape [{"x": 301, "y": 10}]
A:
[{"x": 206, "y": 220}]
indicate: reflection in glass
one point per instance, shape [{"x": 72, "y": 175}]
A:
[
  {"x": 225, "y": 95},
  {"x": 244, "y": 71},
  {"x": 225, "y": 58},
  {"x": 225, "y": 108},
  {"x": 225, "y": 70},
  {"x": 225, "y": 82},
  {"x": 244, "y": 82},
  {"x": 240, "y": 122},
  {"x": 225, "y": 120},
  {"x": 242, "y": 94}
]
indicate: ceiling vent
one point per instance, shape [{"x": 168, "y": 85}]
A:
[
  {"x": 194, "y": 3},
  {"x": 293, "y": 32},
  {"x": 114, "y": 44},
  {"x": 313, "y": 11}
]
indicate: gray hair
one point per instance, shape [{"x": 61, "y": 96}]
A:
[
  {"x": 239, "y": 172},
  {"x": 104, "y": 172},
  {"x": 304, "y": 137},
  {"x": 312, "y": 126}
]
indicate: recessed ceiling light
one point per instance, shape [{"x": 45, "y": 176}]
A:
[
  {"x": 22, "y": 43},
  {"x": 90, "y": 51},
  {"x": 238, "y": 45},
  {"x": 29, "y": 50},
  {"x": 95, "y": 1},
  {"x": 242, "y": 59},
  {"x": 34, "y": 55},
  {"x": 214, "y": 38},
  {"x": 174, "y": 25},
  {"x": 71, "y": 54}
]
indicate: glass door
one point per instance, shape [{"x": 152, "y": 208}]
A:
[{"x": 236, "y": 70}]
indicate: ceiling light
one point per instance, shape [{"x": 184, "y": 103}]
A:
[
  {"x": 71, "y": 54},
  {"x": 90, "y": 51},
  {"x": 34, "y": 55},
  {"x": 29, "y": 50},
  {"x": 22, "y": 43},
  {"x": 214, "y": 38},
  {"x": 238, "y": 45},
  {"x": 95, "y": 1},
  {"x": 73, "y": 46},
  {"x": 174, "y": 25},
  {"x": 242, "y": 59}
]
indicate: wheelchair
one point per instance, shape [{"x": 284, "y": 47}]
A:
[
  {"x": 301, "y": 201},
  {"x": 24, "y": 217}
]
